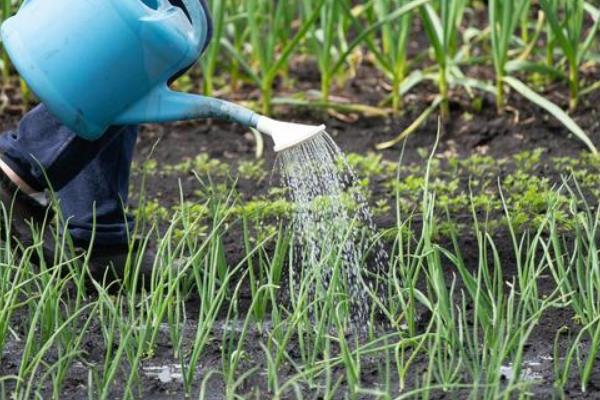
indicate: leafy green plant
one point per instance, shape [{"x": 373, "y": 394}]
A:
[
  {"x": 234, "y": 38},
  {"x": 567, "y": 33},
  {"x": 442, "y": 31},
  {"x": 328, "y": 39},
  {"x": 202, "y": 163},
  {"x": 576, "y": 274},
  {"x": 504, "y": 17},
  {"x": 6, "y": 10},
  {"x": 252, "y": 170},
  {"x": 394, "y": 41},
  {"x": 210, "y": 59},
  {"x": 552, "y": 109},
  {"x": 336, "y": 64},
  {"x": 266, "y": 20}
]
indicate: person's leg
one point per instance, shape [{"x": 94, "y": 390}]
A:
[
  {"x": 92, "y": 179},
  {"x": 93, "y": 207},
  {"x": 42, "y": 150},
  {"x": 93, "y": 202},
  {"x": 42, "y": 153}
]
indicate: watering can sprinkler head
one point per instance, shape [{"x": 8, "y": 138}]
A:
[{"x": 287, "y": 134}]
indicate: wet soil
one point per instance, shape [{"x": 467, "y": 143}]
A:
[{"x": 474, "y": 127}]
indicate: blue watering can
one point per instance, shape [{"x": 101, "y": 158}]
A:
[{"x": 97, "y": 63}]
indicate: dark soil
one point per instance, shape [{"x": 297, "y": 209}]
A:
[{"x": 470, "y": 129}]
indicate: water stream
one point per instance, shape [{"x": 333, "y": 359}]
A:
[{"x": 338, "y": 254}]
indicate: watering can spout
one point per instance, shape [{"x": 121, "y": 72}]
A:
[{"x": 165, "y": 105}]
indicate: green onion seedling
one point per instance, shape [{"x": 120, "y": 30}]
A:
[
  {"x": 210, "y": 59},
  {"x": 442, "y": 31},
  {"x": 6, "y": 10},
  {"x": 328, "y": 39},
  {"x": 394, "y": 41},
  {"x": 504, "y": 16},
  {"x": 567, "y": 33},
  {"x": 265, "y": 21}
]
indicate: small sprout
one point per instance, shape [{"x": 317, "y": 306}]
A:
[{"x": 252, "y": 170}]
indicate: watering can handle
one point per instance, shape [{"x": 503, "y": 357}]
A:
[
  {"x": 165, "y": 105},
  {"x": 200, "y": 20}
]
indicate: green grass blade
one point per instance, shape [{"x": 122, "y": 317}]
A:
[
  {"x": 591, "y": 38},
  {"x": 553, "y": 109},
  {"x": 416, "y": 123},
  {"x": 534, "y": 67},
  {"x": 434, "y": 30},
  {"x": 557, "y": 29}
]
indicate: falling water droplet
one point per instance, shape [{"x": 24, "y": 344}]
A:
[{"x": 333, "y": 226}]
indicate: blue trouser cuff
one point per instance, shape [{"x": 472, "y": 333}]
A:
[{"x": 91, "y": 179}]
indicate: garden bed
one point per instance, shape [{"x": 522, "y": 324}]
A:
[
  {"x": 491, "y": 228},
  {"x": 523, "y": 150}
]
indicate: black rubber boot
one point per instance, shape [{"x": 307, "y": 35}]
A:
[{"x": 26, "y": 215}]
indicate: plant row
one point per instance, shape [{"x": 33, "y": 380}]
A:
[
  {"x": 527, "y": 43},
  {"x": 439, "y": 321}
]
